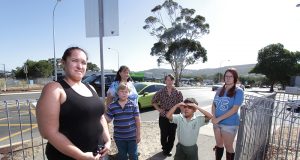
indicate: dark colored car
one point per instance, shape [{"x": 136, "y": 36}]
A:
[
  {"x": 217, "y": 86},
  {"x": 95, "y": 81}
]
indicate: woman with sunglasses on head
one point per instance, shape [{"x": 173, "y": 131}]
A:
[
  {"x": 122, "y": 77},
  {"x": 226, "y": 104}
]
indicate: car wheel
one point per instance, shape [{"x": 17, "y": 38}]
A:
[{"x": 140, "y": 107}]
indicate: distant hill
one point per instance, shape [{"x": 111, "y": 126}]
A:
[{"x": 160, "y": 72}]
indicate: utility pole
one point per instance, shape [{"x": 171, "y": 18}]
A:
[{"x": 53, "y": 31}]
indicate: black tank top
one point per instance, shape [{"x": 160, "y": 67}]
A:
[{"x": 79, "y": 121}]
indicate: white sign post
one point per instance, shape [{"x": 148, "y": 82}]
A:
[
  {"x": 93, "y": 19},
  {"x": 101, "y": 19},
  {"x": 26, "y": 72}
]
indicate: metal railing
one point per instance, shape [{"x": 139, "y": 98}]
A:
[
  {"x": 269, "y": 128},
  {"x": 19, "y": 137}
]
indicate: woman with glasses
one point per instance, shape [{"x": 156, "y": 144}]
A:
[{"x": 226, "y": 104}]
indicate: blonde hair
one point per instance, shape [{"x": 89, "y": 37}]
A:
[{"x": 123, "y": 86}]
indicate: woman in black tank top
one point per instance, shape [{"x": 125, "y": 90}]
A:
[{"x": 70, "y": 114}]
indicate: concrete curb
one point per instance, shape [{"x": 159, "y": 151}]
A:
[{"x": 14, "y": 93}]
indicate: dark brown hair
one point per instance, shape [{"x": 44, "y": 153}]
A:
[
  {"x": 231, "y": 91},
  {"x": 122, "y": 68},
  {"x": 171, "y": 77},
  {"x": 190, "y": 100},
  {"x": 69, "y": 51}
]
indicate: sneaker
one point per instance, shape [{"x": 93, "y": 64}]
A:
[{"x": 169, "y": 154}]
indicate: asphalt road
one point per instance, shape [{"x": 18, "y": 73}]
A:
[
  {"x": 203, "y": 95},
  {"x": 20, "y": 96},
  {"x": 18, "y": 109}
]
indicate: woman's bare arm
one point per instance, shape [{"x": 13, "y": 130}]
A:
[{"x": 48, "y": 108}]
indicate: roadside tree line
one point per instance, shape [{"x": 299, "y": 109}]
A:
[{"x": 42, "y": 69}]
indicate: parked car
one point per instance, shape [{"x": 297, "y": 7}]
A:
[
  {"x": 241, "y": 86},
  {"x": 247, "y": 86},
  {"x": 217, "y": 86},
  {"x": 95, "y": 81},
  {"x": 146, "y": 91},
  {"x": 221, "y": 84}
]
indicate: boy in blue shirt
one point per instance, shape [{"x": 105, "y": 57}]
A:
[
  {"x": 126, "y": 120},
  {"x": 188, "y": 126}
]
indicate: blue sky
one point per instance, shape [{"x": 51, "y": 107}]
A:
[{"x": 238, "y": 29}]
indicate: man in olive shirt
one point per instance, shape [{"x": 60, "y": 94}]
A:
[{"x": 163, "y": 101}]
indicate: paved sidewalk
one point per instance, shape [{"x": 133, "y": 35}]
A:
[{"x": 205, "y": 142}]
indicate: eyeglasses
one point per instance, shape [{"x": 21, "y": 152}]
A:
[{"x": 228, "y": 76}]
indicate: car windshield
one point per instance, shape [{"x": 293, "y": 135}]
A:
[
  {"x": 108, "y": 78},
  {"x": 220, "y": 83},
  {"x": 89, "y": 79},
  {"x": 139, "y": 86}
]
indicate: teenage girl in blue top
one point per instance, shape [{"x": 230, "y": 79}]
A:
[{"x": 226, "y": 104}]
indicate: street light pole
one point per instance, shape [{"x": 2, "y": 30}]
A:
[
  {"x": 220, "y": 68},
  {"x": 4, "y": 87},
  {"x": 118, "y": 56},
  {"x": 53, "y": 31}
]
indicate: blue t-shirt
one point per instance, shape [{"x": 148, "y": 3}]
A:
[
  {"x": 133, "y": 95},
  {"x": 224, "y": 104}
]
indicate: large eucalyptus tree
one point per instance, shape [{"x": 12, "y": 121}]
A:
[{"x": 177, "y": 31}]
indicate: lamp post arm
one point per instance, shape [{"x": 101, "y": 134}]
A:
[{"x": 53, "y": 32}]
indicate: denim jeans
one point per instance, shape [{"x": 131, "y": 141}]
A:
[{"x": 125, "y": 148}]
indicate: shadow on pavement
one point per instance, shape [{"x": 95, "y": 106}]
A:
[
  {"x": 147, "y": 109},
  {"x": 157, "y": 156}
]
